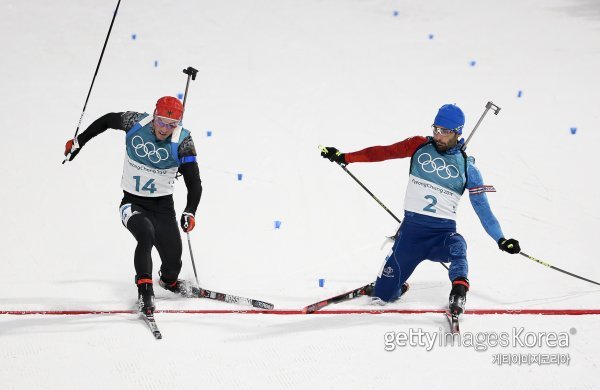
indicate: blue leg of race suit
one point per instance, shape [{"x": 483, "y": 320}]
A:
[
  {"x": 452, "y": 249},
  {"x": 389, "y": 281},
  {"x": 399, "y": 265},
  {"x": 413, "y": 245}
]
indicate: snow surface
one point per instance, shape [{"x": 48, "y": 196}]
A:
[{"x": 276, "y": 79}]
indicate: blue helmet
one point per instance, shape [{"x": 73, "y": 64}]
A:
[{"x": 450, "y": 117}]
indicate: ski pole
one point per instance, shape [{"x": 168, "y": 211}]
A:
[
  {"x": 191, "y": 72},
  {"x": 324, "y": 149},
  {"x": 491, "y": 105},
  {"x": 556, "y": 268},
  {"x": 94, "y": 78},
  {"x": 192, "y": 257},
  {"x": 488, "y": 106}
]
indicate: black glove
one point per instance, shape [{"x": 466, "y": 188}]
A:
[
  {"x": 511, "y": 245},
  {"x": 188, "y": 221},
  {"x": 333, "y": 155}
]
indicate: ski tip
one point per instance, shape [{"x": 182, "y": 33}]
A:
[
  {"x": 263, "y": 305},
  {"x": 309, "y": 309},
  {"x": 454, "y": 323}
]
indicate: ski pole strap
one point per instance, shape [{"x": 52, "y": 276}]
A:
[{"x": 557, "y": 269}]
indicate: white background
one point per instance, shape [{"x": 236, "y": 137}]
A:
[{"x": 276, "y": 79}]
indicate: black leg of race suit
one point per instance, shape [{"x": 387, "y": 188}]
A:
[
  {"x": 143, "y": 230},
  {"x": 159, "y": 230},
  {"x": 169, "y": 247}
]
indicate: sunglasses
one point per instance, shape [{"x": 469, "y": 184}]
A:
[
  {"x": 441, "y": 130},
  {"x": 170, "y": 125}
]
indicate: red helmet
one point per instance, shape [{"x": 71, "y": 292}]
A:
[{"x": 169, "y": 107}]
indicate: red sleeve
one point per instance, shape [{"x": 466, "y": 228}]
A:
[{"x": 400, "y": 149}]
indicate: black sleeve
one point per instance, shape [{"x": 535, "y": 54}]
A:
[
  {"x": 191, "y": 176},
  {"x": 187, "y": 148},
  {"x": 114, "y": 120},
  {"x": 108, "y": 121}
]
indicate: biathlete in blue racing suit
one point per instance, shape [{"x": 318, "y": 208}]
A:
[{"x": 440, "y": 172}]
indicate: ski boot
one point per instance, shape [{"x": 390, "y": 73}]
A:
[
  {"x": 458, "y": 295},
  {"x": 145, "y": 294},
  {"x": 368, "y": 290},
  {"x": 404, "y": 288},
  {"x": 178, "y": 286},
  {"x": 378, "y": 301}
]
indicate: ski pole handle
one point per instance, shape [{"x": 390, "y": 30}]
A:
[
  {"x": 490, "y": 105},
  {"x": 68, "y": 156},
  {"x": 191, "y": 72}
]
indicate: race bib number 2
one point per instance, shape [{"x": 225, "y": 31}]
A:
[
  {"x": 431, "y": 206},
  {"x": 428, "y": 198}
]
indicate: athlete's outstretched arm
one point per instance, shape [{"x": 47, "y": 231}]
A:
[
  {"x": 480, "y": 202},
  {"x": 400, "y": 149},
  {"x": 111, "y": 120}
]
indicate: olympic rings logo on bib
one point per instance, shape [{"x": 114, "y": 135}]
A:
[
  {"x": 149, "y": 150},
  {"x": 437, "y": 165}
]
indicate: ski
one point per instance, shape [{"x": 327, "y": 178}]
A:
[
  {"x": 149, "y": 319},
  {"x": 453, "y": 322},
  {"x": 367, "y": 289},
  {"x": 197, "y": 292}
]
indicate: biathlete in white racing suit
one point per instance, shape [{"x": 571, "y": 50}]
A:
[
  {"x": 439, "y": 174},
  {"x": 157, "y": 149}
]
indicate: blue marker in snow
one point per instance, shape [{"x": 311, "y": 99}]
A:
[
  {"x": 396, "y": 13},
  {"x": 239, "y": 176},
  {"x": 209, "y": 133},
  {"x": 277, "y": 224},
  {"x": 180, "y": 96},
  {"x": 472, "y": 63},
  {"x": 573, "y": 130},
  {"x": 133, "y": 36},
  {"x": 519, "y": 94},
  {"x": 156, "y": 63},
  {"x": 321, "y": 282},
  {"x": 430, "y": 36}
]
